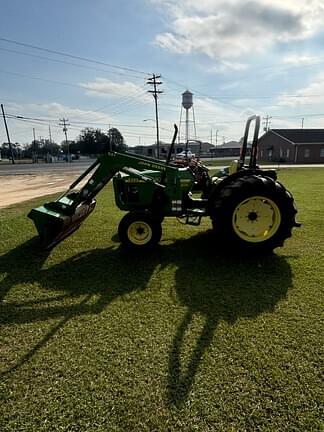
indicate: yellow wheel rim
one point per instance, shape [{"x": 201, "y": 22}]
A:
[
  {"x": 139, "y": 233},
  {"x": 256, "y": 219}
]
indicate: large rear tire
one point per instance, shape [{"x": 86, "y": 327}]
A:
[
  {"x": 139, "y": 230},
  {"x": 254, "y": 212}
]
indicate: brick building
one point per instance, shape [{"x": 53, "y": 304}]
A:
[{"x": 292, "y": 146}]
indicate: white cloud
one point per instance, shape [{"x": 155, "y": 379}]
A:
[
  {"x": 212, "y": 115},
  {"x": 176, "y": 44},
  {"x": 22, "y": 131},
  {"x": 74, "y": 114},
  {"x": 231, "y": 85},
  {"x": 301, "y": 60},
  {"x": 106, "y": 88},
  {"x": 231, "y": 29},
  {"x": 312, "y": 94},
  {"x": 226, "y": 66}
]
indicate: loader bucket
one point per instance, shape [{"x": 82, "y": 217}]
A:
[{"x": 55, "y": 221}]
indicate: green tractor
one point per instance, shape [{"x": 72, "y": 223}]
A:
[{"x": 247, "y": 206}]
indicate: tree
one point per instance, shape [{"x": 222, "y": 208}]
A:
[
  {"x": 94, "y": 141},
  {"x": 116, "y": 140},
  {"x": 50, "y": 147},
  {"x": 68, "y": 147},
  {"x": 16, "y": 150},
  {"x": 91, "y": 141},
  {"x": 41, "y": 148}
]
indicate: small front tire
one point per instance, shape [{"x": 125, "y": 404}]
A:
[{"x": 139, "y": 230}]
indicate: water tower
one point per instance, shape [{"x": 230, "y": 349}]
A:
[{"x": 187, "y": 104}]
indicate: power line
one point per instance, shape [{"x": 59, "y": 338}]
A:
[
  {"x": 54, "y": 122},
  {"x": 70, "y": 63},
  {"x": 52, "y": 119},
  {"x": 258, "y": 71},
  {"x": 30, "y": 118},
  {"x": 39, "y": 78},
  {"x": 125, "y": 100},
  {"x": 77, "y": 125},
  {"x": 31, "y": 122},
  {"x": 64, "y": 54},
  {"x": 123, "y": 68},
  {"x": 299, "y": 96},
  {"x": 116, "y": 105},
  {"x": 128, "y": 101},
  {"x": 223, "y": 98},
  {"x": 129, "y": 108},
  {"x": 44, "y": 122}
]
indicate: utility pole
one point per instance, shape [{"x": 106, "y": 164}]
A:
[
  {"x": 50, "y": 133},
  {"x": 267, "y": 123},
  {"x": 34, "y": 152},
  {"x": 153, "y": 81},
  {"x": 302, "y": 123},
  {"x": 49, "y": 152},
  {"x": 8, "y": 137},
  {"x": 110, "y": 148},
  {"x": 63, "y": 122}
]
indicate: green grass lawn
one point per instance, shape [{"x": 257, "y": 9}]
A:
[
  {"x": 183, "y": 338},
  {"x": 216, "y": 162}
]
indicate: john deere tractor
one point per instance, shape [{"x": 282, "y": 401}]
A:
[{"x": 247, "y": 206}]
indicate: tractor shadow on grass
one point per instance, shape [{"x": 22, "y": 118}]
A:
[
  {"x": 215, "y": 286},
  {"x": 84, "y": 284},
  {"x": 209, "y": 283}
]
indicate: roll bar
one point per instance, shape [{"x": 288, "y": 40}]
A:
[{"x": 254, "y": 147}]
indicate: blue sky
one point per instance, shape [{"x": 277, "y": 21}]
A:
[{"x": 237, "y": 57}]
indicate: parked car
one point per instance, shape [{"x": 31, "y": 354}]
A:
[{"x": 185, "y": 155}]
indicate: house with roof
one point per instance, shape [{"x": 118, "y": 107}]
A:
[
  {"x": 228, "y": 149},
  {"x": 292, "y": 146},
  {"x": 195, "y": 146}
]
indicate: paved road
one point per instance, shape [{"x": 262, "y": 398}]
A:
[
  {"x": 44, "y": 168},
  {"x": 80, "y": 166}
]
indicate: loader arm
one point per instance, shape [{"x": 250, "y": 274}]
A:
[
  {"x": 113, "y": 162},
  {"x": 58, "y": 219}
]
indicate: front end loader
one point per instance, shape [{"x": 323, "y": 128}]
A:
[{"x": 247, "y": 206}]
